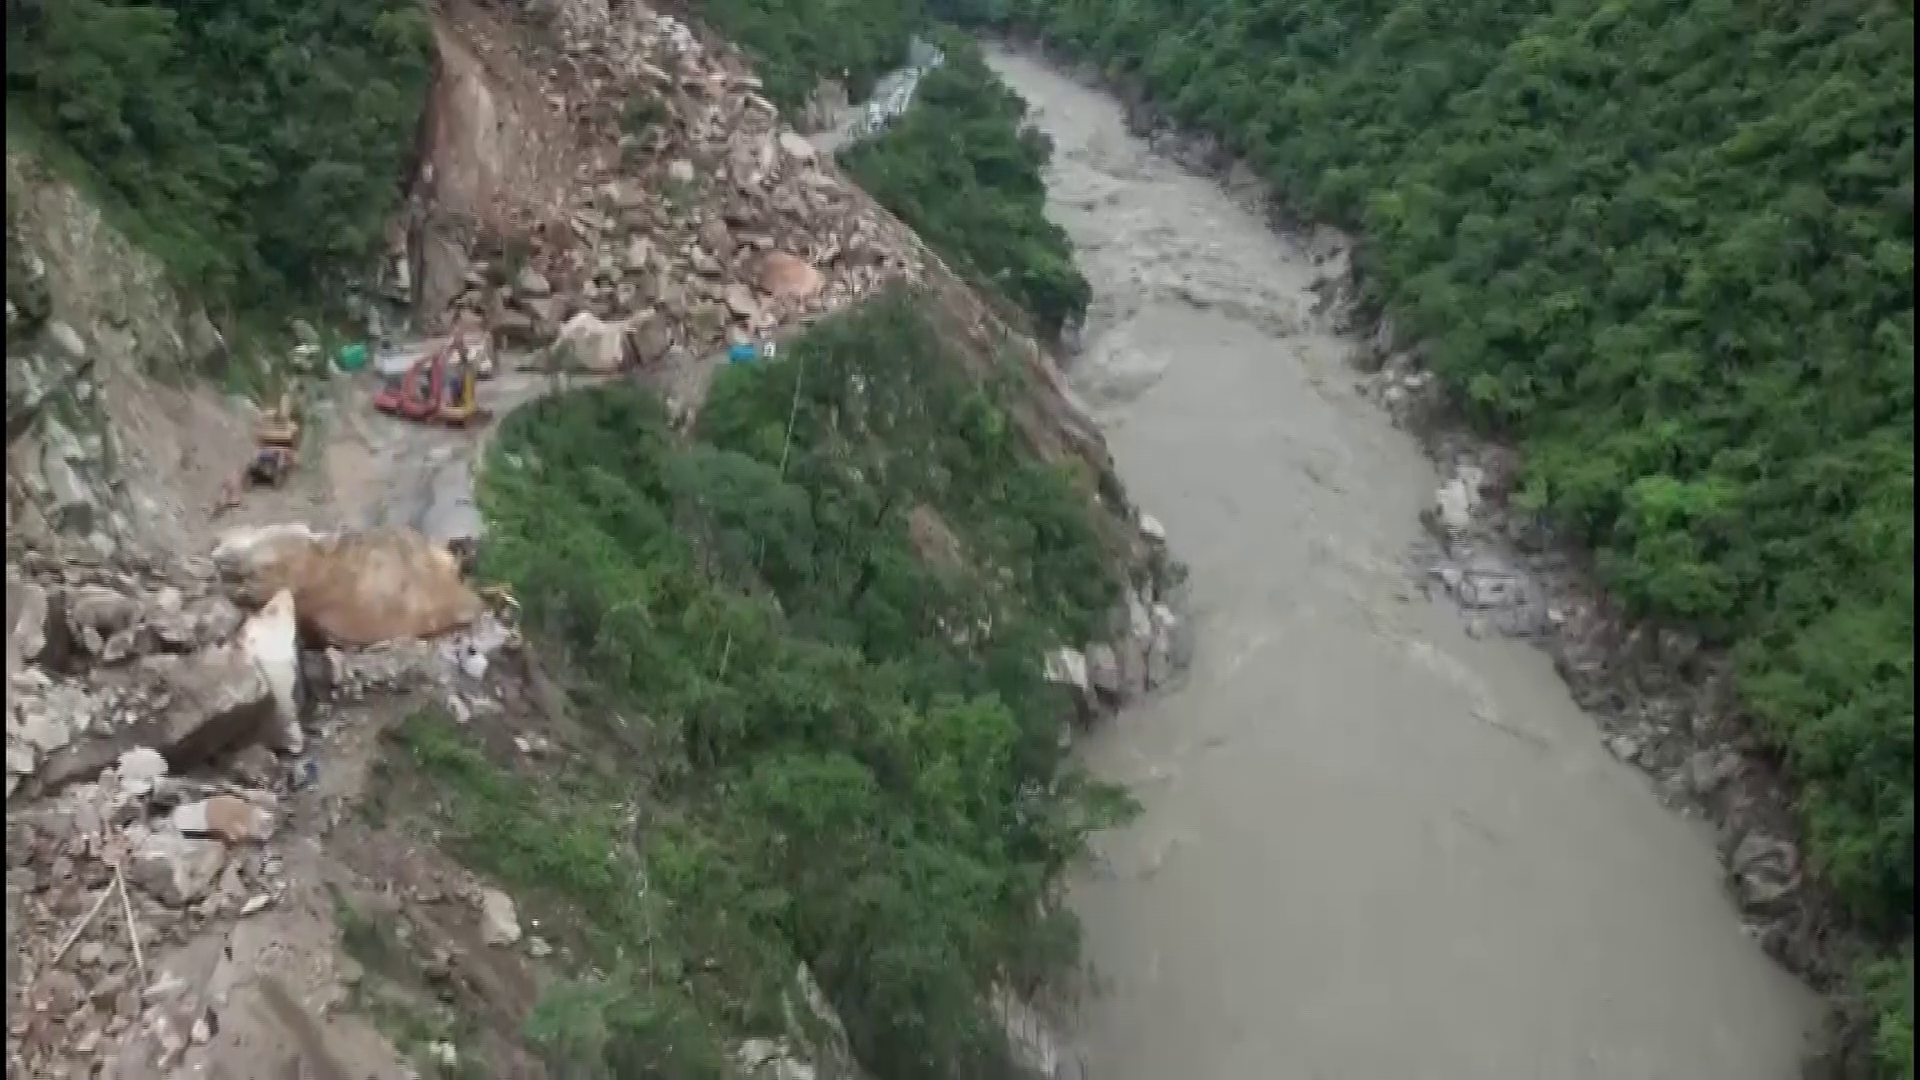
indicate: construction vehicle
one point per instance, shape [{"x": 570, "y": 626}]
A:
[
  {"x": 440, "y": 387},
  {"x": 276, "y": 437},
  {"x": 417, "y": 394},
  {"x": 462, "y": 405},
  {"x": 279, "y": 426}
]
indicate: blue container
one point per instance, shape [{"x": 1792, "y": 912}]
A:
[{"x": 742, "y": 353}]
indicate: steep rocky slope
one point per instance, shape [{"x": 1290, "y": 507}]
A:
[{"x": 197, "y": 877}]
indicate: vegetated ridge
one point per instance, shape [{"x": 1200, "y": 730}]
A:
[
  {"x": 1670, "y": 253},
  {"x": 255, "y": 147},
  {"x": 816, "y": 628},
  {"x": 963, "y": 169}
]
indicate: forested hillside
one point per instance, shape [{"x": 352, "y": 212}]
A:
[
  {"x": 965, "y": 171},
  {"x": 253, "y": 145},
  {"x": 1669, "y": 250},
  {"x": 839, "y": 764}
]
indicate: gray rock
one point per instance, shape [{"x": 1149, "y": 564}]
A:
[
  {"x": 1764, "y": 871},
  {"x": 45, "y": 732},
  {"x": 1625, "y": 747},
  {"x": 1159, "y": 659},
  {"x": 21, "y": 759},
  {"x": 1179, "y": 635},
  {"x": 100, "y": 609},
  {"x": 1484, "y": 591},
  {"x": 27, "y": 613},
  {"x": 1709, "y": 770},
  {"x": 203, "y": 339},
  {"x": 72, "y": 506},
  {"x": 207, "y": 621},
  {"x": 219, "y": 698},
  {"x": 639, "y": 255},
  {"x": 66, "y": 341},
  {"x": 651, "y": 337},
  {"x": 499, "y": 922},
  {"x": 1068, "y": 667},
  {"x": 530, "y": 282},
  {"x": 1103, "y": 671},
  {"x": 797, "y": 146},
  {"x": 176, "y": 870},
  {"x": 1453, "y": 507},
  {"x": 141, "y": 763},
  {"x": 61, "y": 440},
  {"x": 740, "y": 301}
]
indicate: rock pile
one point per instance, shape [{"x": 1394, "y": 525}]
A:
[
  {"x": 699, "y": 220},
  {"x": 1151, "y": 642},
  {"x": 108, "y": 875},
  {"x": 151, "y": 724},
  {"x": 102, "y": 659}
]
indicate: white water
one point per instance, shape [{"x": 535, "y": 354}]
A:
[{"x": 1373, "y": 848}]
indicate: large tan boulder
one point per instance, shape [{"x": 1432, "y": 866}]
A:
[
  {"x": 355, "y": 588},
  {"x": 789, "y": 277}
]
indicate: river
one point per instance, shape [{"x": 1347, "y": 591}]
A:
[{"x": 1373, "y": 847}]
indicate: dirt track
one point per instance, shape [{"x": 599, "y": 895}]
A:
[{"x": 1373, "y": 846}]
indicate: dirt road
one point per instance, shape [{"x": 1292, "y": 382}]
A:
[{"x": 1373, "y": 846}]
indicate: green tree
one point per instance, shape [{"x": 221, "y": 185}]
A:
[{"x": 963, "y": 168}]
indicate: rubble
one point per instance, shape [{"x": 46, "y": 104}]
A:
[
  {"x": 716, "y": 224},
  {"x": 155, "y": 788}
]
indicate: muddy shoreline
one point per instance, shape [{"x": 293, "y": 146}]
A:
[{"x": 1662, "y": 701}]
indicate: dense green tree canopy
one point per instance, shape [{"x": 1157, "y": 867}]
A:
[
  {"x": 964, "y": 170},
  {"x": 258, "y": 144},
  {"x": 854, "y": 752}
]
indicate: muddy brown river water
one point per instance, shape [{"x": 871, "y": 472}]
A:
[{"x": 1373, "y": 847}]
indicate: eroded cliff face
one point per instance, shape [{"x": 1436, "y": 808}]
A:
[{"x": 108, "y": 426}]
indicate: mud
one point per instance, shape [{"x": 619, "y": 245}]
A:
[{"x": 1378, "y": 840}]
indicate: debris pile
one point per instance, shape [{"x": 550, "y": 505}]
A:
[
  {"x": 154, "y": 726},
  {"x": 111, "y": 873},
  {"x": 700, "y": 220}
]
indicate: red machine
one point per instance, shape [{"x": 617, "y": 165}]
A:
[
  {"x": 441, "y": 387},
  {"x": 417, "y": 395}
]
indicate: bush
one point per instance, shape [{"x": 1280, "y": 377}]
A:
[
  {"x": 257, "y": 144},
  {"x": 963, "y": 169},
  {"x": 852, "y": 751},
  {"x": 1669, "y": 248}
]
